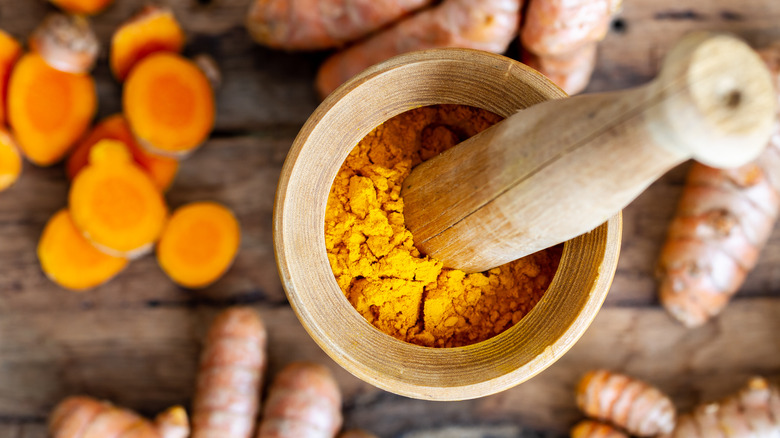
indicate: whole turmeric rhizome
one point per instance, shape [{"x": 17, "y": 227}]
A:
[{"x": 372, "y": 254}]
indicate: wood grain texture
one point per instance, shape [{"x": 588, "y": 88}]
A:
[{"x": 137, "y": 338}]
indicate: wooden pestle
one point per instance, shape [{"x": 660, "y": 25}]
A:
[{"x": 561, "y": 168}]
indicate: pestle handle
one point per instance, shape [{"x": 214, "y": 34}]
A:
[{"x": 561, "y": 168}]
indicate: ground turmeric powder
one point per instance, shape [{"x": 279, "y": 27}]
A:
[{"x": 401, "y": 292}]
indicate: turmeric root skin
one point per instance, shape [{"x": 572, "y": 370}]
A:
[
  {"x": 303, "y": 402},
  {"x": 9, "y": 53},
  {"x": 227, "y": 396},
  {"x": 321, "y": 24},
  {"x": 594, "y": 429},
  {"x": 161, "y": 169},
  {"x": 169, "y": 104},
  {"x": 639, "y": 408},
  {"x": 153, "y": 29},
  {"x": 485, "y": 25},
  {"x": 173, "y": 423},
  {"x": 10, "y": 161},
  {"x": 84, "y": 417},
  {"x": 49, "y": 110},
  {"x": 66, "y": 42},
  {"x": 570, "y": 71},
  {"x": 69, "y": 260},
  {"x": 88, "y": 7},
  {"x": 199, "y": 244},
  {"x": 723, "y": 220}
]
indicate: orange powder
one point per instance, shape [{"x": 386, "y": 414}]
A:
[{"x": 401, "y": 292}]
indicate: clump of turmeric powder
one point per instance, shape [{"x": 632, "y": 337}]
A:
[{"x": 400, "y": 291}]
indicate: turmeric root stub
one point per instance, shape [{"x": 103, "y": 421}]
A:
[
  {"x": 199, "y": 244},
  {"x": 115, "y": 204},
  {"x": 169, "y": 104},
  {"x": 10, "y": 161},
  {"x": 401, "y": 292}
]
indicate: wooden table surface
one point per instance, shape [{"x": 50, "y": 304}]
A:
[{"x": 136, "y": 340}]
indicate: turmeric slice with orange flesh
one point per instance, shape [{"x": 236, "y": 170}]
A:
[
  {"x": 10, "y": 161},
  {"x": 199, "y": 244},
  {"x": 161, "y": 169},
  {"x": 66, "y": 42},
  {"x": 70, "y": 260},
  {"x": 88, "y": 7},
  {"x": 48, "y": 110},
  {"x": 115, "y": 203},
  {"x": 152, "y": 30},
  {"x": 169, "y": 104},
  {"x": 9, "y": 53}
]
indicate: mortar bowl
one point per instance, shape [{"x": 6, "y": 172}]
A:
[{"x": 440, "y": 76}]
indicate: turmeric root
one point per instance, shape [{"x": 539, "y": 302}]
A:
[
  {"x": 9, "y": 53},
  {"x": 161, "y": 169},
  {"x": 169, "y": 104},
  {"x": 594, "y": 429},
  {"x": 66, "y": 42},
  {"x": 173, "y": 423},
  {"x": 69, "y": 260},
  {"x": 303, "y": 402},
  {"x": 227, "y": 396},
  {"x": 153, "y": 29},
  {"x": 723, "y": 220},
  {"x": 634, "y": 405},
  {"x": 487, "y": 25},
  {"x": 88, "y": 7},
  {"x": 199, "y": 244},
  {"x": 85, "y": 417},
  {"x": 570, "y": 72},
  {"x": 559, "y": 38},
  {"x": 115, "y": 204},
  {"x": 10, "y": 161},
  {"x": 754, "y": 412},
  {"x": 321, "y": 24},
  {"x": 49, "y": 110}
]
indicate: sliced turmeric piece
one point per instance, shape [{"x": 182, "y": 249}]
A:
[
  {"x": 152, "y": 30},
  {"x": 169, "y": 104},
  {"x": 48, "y": 110},
  {"x": 88, "y": 7},
  {"x": 10, "y": 161},
  {"x": 70, "y": 260},
  {"x": 199, "y": 244},
  {"x": 161, "y": 169},
  {"x": 66, "y": 42},
  {"x": 9, "y": 53},
  {"x": 115, "y": 203}
]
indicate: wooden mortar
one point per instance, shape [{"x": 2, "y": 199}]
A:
[{"x": 442, "y": 76}]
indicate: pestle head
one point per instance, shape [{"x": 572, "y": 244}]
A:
[{"x": 717, "y": 101}]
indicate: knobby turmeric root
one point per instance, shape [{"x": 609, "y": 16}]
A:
[
  {"x": 9, "y": 53},
  {"x": 10, "y": 161},
  {"x": 637, "y": 407},
  {"x": 85, "y": 417},
  {"x": 66, "y": 42},
  {"x": 595, "y": 429},
  {"x": 486, "y": 25},
  {"x": 754, "y": 412},
  {"x": 153, "y": 29},
  {"x": 561, "y": 36},
  {"x": 199, "y": 244},
  {"x": 69, "y": 260},
  {"x": 161, "y": 169},
  {"x": 115, "y": 204},
  {"x": 227, "y": 396},
  {"x": 169, "y": 104},
  {"x": 723, "y": 220},
  {"x": 88, "y": 7},
  {"x": 321, "y": 24},
  {"x": 303, "y": 402},
  {"x": 48, "y": 110}
]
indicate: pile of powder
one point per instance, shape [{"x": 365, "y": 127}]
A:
[{"x": 404, "y": 294}]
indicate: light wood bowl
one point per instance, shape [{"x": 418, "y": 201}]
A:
[{"x": 454, "y": 76}]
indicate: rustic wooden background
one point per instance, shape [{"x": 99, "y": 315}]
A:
[{"x": 136, "y": 340}]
